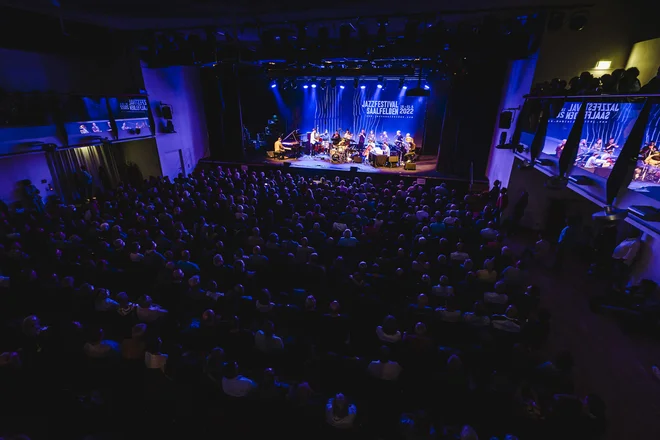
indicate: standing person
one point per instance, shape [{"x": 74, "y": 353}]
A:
[
  {"x": 361, "y": 139},
  {"x": 565, "y": 244},
  {"x": 502, "y": 203},
  {"x": 518, "y": 211},
  {"x": 86, "y": 183}
]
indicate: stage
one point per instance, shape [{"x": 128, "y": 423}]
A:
[{"x": 425, "y": 166}]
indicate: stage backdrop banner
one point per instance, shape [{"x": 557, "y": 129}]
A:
[
  {"x": 646, "y": 178},
  {"x": 356, "y": 109},
  {"x": 560, "y": 127},
  {"x": 607, "y": 125}
]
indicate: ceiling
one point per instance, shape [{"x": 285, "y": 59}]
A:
[{"x": 173, "y": 14}]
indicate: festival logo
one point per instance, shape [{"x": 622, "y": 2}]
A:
[{"x": 387, "y": 109}]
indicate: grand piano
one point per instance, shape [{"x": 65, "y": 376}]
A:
[{"x": 292, "y": 143}]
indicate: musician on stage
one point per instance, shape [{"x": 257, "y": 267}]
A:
[
  {"x": 560, "y": 148},
  {"x": 348, "y": 135},
  {"x": 398, "y": 139},
  {"x": 648, "y": 151},
  {"x": 611, "y": 145},
  {"x": 598, "y": 145},
  {"x": 361, "y": 138},
  {"x": 313, "y": 141},
  {"x": 384, "y": 138},
  {"x": 371, "y": 137},
  {"x": 279, "y": 148},
  {"x": 412, "y": 149},
  {"x": 336, "y": 137},
  {"x": 386, "y": 149}
]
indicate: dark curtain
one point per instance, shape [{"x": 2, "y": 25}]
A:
[
  {"x": 469, "y": 118},
  {"x": 65, "y": 166}
]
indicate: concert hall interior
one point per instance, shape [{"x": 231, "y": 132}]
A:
[{"x": 366, "y": 220}]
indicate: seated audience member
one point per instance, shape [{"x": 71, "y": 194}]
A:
[
  {"x": 418, "y": 342},
  {"x": 134, "y": 348},
  {"x": 459, "y": 255},
  {"x": 264, "y": 304},
  {"x": 443, "y": 289},
  {"x": 149, "y": 312},
  {"x": 488, "y": 274},
  {"x": 266, "y": 341},
  {"x": 417, "y": 426},
  {"x": 235, "y": 385},
  {"x": 478, "y": 317},
  {"x": 271, "y": 389},
  {"x": 499, "y": 296},
  {"x": 98, "y": 347},
  {"x": 388, "y": 332},
  {"x": 339, "y": 413},
  {"x": 347, "y": 240},
  {"x": 508, "y": 322},
  {"x": 489, "y": 233},
  {"x": 103, "y": 301},
  {"x": 153, "y": 358},
  {"x": 449, "y": 313},
  {"x": 384, "y": 368}
]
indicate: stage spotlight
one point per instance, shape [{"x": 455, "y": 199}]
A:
[
  {"x": 363, "y": 87},
  {"x": 341, "y": 87},
  {"x": 380, "y": 86},
  {"x": 313, "y": 86},
  {"x": 426, "y": 87},
  {"x": 273, "y": 84},
  {"x": 305, "y": 86},
  {"x": 404, "y": 87}
]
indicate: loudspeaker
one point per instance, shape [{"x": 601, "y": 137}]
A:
[
  {"x": 410, "y": 166},
  {"x": 357, "y": 158},
  {"x": 505, "y": 120},
  {"x": 166, "y": 111}
]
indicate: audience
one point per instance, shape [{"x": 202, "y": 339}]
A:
[{"x": 205, "y": 326}]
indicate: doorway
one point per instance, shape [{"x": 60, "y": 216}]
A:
[{"x": 174, "y": 164}]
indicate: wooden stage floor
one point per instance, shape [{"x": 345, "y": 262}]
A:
[{"x": 425, "y": 166}]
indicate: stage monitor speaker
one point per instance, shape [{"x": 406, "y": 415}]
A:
[
  {"x": 357, "y": 158},
  {"x": 506, "y": 118},
  {"x": 410, "y": 166},
  {"x": 354, "y": 170},
  {"x": 166, "y": 111}
]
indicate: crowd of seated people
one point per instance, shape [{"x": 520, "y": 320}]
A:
[
  {"x": 620, "y": 81},
  {"x": 251, "y": 303}
]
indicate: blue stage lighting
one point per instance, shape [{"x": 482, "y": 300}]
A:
[
  {"x": 313, "y": 86},
  {"x": 404, "y": 87},
  {"x": 341, "y": 87},
  {"x": 380, "y": 86},
  {"x": 426, "y": 87},
  {"x": 273, "y": 85},
  {"x": 363, "y": 87},
  {"x": 305, "y": 86}
]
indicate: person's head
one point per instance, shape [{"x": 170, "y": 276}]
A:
[
  {"x": 139, "y": 331},
  {"x": 390, "y": 326},
  {"x": 310, "y": 303},
  {"x": 420, "y": 329},
  {"x": 334, "y": 308},
  {"x": 268, "y": 328},
  {"x": 340, "y": 406},
  {"x": 468, "y": 433},
  {"x": 422, "y": 300},
  {"x": 230, "y": 370}
]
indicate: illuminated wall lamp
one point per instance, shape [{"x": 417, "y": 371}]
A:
[{"x": 603, "y": 65}]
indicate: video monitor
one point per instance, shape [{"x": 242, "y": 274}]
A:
[
  {"x": 559, "y": 128},
  {"x": 85, "y": 117},
  {"x": 646, "y": 178},
  {"x": 131, "y": 116},
  {"x": 607, "y": 125}
]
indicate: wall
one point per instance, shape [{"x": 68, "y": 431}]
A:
[
  {"x": 179, "y": 87},
  {"x": 645, "y": 56},
  {"x": 608, "y": 35},
  {"x": 16, "y": 168},
  {"x": 519, "y": 82},
  {"x": 31, "y": 71},
  {"x": 143, "y": 153}
]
